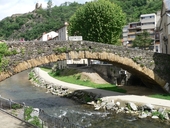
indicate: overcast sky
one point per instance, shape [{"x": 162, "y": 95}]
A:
[{"x": 10, "y": 7}]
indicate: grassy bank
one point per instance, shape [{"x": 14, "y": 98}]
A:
[
  {"x": 74, "y": 76},
  {"x": 161, "y": 96}
]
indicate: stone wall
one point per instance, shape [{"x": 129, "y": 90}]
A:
[
  {"x": 110, "y": 73},
  {"x": 152, "y": 67}
]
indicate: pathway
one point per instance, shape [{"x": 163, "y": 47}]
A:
[
  {"x": 107, "y": 94},
  {"x": 8, "y": 121}
]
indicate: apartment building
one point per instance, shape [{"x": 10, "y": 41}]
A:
[
  {"x": 134, "y": 28},
  {"x": 147, "y": 23}
]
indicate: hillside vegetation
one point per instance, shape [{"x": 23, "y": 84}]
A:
[
  {"x": 31, "y": 25},
  {"x": 134, "y": 8}
]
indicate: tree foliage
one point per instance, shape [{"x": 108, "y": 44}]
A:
[
  {"x": 99, "y": 21},
  {"x": 143, "y": 40},
  {"x": 49, "y": 4},
  {"x": 134, "y": 8}
]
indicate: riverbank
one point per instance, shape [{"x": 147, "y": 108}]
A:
[{"x": 114, "y": 100}]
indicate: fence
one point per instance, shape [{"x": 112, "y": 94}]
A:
[
  {"x": 8, "y": 103},
  {"x": 47, "y": 120}
]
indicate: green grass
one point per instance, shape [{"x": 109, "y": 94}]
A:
[
  {"x": 46, "y": 69},
  {"x": 75, "y": 79},
  {"x": 72, "y": 76},
  {"x": 161, "y": 96}
]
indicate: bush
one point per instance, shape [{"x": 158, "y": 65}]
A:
[
  {"x": 27, "y": 113},
  {"x": 16, "y": 106}
]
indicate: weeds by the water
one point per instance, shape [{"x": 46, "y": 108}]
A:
[{"x": 34, "y": 120}]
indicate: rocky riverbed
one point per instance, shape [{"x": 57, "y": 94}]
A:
[{"x": 102, "y": 103}]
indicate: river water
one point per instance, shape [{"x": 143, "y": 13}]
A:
[{"x": 20, "y": 89}]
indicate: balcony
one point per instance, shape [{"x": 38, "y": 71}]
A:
[
  {"x": 149, "y": 26},
  {"x": 130, "y": 39},
  {"x": 125, "y": 34},
  {"x": 147, "y": 20},
  {"x": 135, "y": 27},
  {"x": 131, "y": 33},
  {"x": 151, "y": 32},
  {"x": 138, "y": 32}
]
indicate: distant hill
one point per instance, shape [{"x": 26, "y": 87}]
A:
[{"x": 31, "y": 25}]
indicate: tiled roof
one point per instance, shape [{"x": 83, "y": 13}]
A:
[{"x": 167, "y": 4}]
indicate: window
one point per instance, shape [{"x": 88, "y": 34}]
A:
[
  {"x": 166, "y": 49},
  {"x": 148, "y": 17},
  {"x": 149, "y": 23},
  {"x": 169, "y": 29},
  {"x": 168, "y": 20},
  {"x": 132, "y": 36},
  {"x": 156, "y": 48}
]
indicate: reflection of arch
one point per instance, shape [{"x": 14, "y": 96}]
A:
[{"x": 126, "y": 63}]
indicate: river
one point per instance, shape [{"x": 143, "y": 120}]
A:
[{"x": 20, "y": 89}]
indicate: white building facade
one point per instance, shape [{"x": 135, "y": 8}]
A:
[{"x": 48, "y": 36}]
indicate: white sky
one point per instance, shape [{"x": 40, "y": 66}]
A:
[{"x": 10, "y": 7}]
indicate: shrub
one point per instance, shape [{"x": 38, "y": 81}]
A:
[
  {"x": 16, "y": 106},
  {"x": 27, "y": 113}
]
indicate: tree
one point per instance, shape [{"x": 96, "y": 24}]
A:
[
  {"x": 143, "y": 40},
  {"x": 100, "y": 21},
  {"x": 49, "y": 5}
]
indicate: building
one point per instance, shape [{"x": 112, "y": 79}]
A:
[
  {"x": 134, "y": 28},
  {"x": 165, "y": 27},
  {"x": 125, "y": 35},
  {"x": 48, "y": 36},
  {"x": 147, "y": 23},
  {"x": 63, "y": 32},
  {"x": 157, "y": 46}
]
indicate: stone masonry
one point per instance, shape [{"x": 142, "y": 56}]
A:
[{"x": 152, "y": 68}]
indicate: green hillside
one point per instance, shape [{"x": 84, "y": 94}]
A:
[
  {"x": 134, "y": 8},
  {"x": 31, "y": 25}
]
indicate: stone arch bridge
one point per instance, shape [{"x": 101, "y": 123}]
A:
[{"x": 154, "y": 68}]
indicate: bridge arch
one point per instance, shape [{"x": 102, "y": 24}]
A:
[{"x": 82, "y": 50}]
